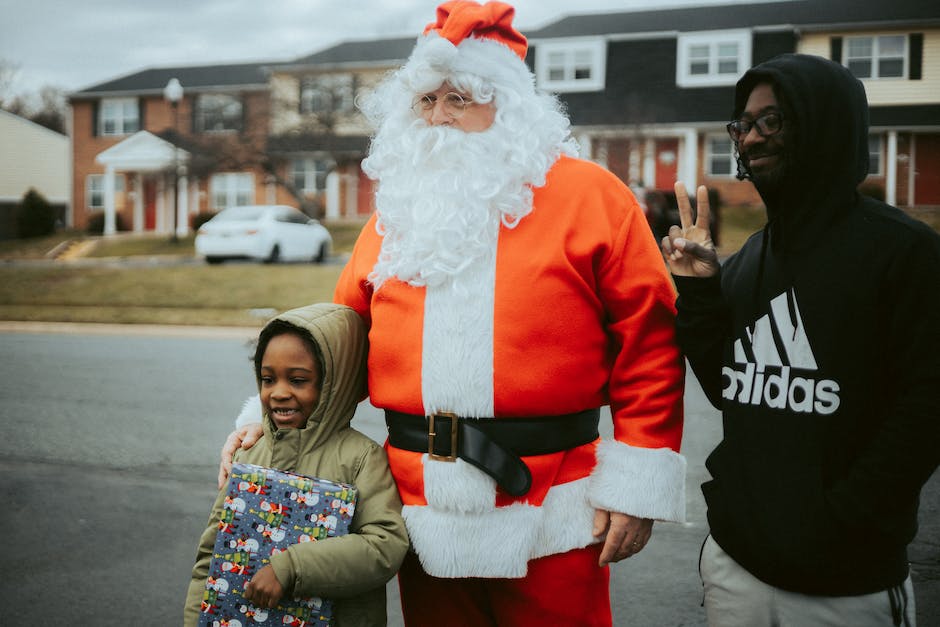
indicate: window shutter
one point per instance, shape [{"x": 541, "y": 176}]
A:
[
  {"x": 915, "y": 46},
  {"x": 95, "y": 106},
  {"x": 141, "y": 108},
  {"x": 835, "y": 49}
]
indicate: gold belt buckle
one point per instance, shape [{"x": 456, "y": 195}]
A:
[{"x": 453, "y": 437}]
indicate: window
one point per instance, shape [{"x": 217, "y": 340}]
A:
[
  {"x": 719, "y": 156},
  {"x": 874, "y": 154},
  {"x": 94, "y": 190},
  {"x": 568, "y": 66},
  {"x": 118, "y": 116},
  {"x": 231, "y": 190},
  {"x": 309, "y": 175},
  {"x": 876, "y": 57},
  {"x": 218, "y": 112},
  {"x": 712, "y": 59},
  {"x": 327, "y": 94}
]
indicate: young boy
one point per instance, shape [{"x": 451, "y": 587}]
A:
[{"x": 310, "y": 366}]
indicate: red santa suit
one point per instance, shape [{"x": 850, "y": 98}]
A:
[{"x": 572, "y": 310}]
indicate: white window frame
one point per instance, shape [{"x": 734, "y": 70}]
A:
[
  {"x": 878, "y": 139},
  {"x": 573, "y": 52},
  {"x": 710, "y": 155},
  {"x": 213, "y": 107},
  {"x": 328, "y": 93},
  {"x": 94, "y": 189},
  {"x": 231, "y": 189},
  {"x": 311, "y": 173},
  {"x": 118, "y": 116},
  {"x": 712, "y": 41},
  {"x": 876, "y": 56}
]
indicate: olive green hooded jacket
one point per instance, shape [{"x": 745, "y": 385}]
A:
[{"x": 351, "y": 570}]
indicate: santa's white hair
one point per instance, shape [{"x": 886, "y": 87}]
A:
[{"x": 443, "y": 193}]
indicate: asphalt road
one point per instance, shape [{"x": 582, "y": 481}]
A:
[{"x": 108, "y": 449}]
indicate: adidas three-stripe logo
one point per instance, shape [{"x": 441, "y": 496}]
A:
[{"x": 767, "y": 358}]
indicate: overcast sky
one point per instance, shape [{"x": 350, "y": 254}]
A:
[{"x": 74, "y": 44}]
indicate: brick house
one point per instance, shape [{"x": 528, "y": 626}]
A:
[{"x": 649, "y": 92}]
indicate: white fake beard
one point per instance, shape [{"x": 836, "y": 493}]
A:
[{"x": 441, "y": 198}]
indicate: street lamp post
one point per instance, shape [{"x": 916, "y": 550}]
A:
[{"x": 173, "y": 93}]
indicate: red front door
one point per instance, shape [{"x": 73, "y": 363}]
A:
[
  {"x": 150, "y": 205},
  {"x": 667, "y": 162},
  {"x": 927, "y": 170}
]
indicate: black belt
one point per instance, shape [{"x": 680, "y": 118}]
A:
[{"x": 494, "y": 445}]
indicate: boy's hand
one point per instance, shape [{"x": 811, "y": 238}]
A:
[
  {"x": 264, "y": 590},
  {"x": 245, "y": 437}
]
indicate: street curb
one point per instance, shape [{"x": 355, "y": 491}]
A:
[{"x": 95, "y": 328}]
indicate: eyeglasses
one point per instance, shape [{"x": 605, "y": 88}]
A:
[
  {"x": 454, "y": 104},
  {"x": 767, "y": 125}
]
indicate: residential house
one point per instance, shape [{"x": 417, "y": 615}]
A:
[
  {"x": 31, "y": 157},
  {"x": 149, "y": 164},
  {"x": 649, "y": 92},
  {"x": 316, "y": 127}
]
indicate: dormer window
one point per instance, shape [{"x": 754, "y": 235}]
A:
[
  {"x": 711, "y": 59},
  {"x": 571, "y": 65}
]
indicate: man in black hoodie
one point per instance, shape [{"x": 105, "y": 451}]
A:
[{"x": 820, "y": 342}]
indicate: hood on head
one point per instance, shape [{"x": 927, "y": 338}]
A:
[
  {"x": 341, "y": 336},
  {"x": 826, "y": 120}
]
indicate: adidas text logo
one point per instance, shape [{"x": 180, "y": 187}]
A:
[{"x": 770, "y": 362}]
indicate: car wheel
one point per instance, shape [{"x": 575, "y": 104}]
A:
[
  {"x": 275, "y": 255},
  {"x": 214, "y": 260},
  {"x": 320, "y": 257}
]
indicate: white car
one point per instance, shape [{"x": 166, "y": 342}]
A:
[{"x": 268, "y": 233}]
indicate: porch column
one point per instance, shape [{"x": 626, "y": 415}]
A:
[
  {"x": 332, "y": 195},
  {"x": 110, "y": 222},
  {"x": 138, "y": 202},
  {"x": 891, "y": 169},
  {"x": 182, "y": 197},
  {"x": 688, "y": 161},
  {"x": 649, "y": 162}
]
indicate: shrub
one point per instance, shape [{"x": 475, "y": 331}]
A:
[
  {"x": 201, "y": 218},
  {"x": 34, "y": 215},
  {"x": 96, "y": 223}
]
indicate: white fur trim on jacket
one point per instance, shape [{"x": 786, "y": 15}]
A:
[
  {"x": 649, "y": 483},
  {"x": 497, "y": 543},
  {"x": 458, "y": 486},
  {"x": 251, "y": 412}
]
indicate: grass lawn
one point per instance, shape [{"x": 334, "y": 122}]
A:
[{"x": 236, "y": 294}]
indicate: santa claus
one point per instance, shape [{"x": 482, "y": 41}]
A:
[{"x": 511, "y": 290}]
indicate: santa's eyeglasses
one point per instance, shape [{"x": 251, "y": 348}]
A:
[
  {"x": 767, "y": 125},
  {"x": 454, "y": 104}
]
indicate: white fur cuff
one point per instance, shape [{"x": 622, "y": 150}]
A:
[
  {"x": 649, "y": 483},
  {"x": 251, "y": 412}
]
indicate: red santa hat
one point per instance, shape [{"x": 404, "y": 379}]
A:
[{"x": 473, "y": 38}]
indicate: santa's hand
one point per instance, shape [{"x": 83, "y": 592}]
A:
[
  {"x": 625, "y": 535},
  {"x": 688, "y": 249},
  {"x": 244, "y": 437}
]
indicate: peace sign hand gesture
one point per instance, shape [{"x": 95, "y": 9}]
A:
[{"x": 688, "y": 249}]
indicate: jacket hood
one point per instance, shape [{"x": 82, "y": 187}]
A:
[
  {"x": 826, "y": 124},
  {"x": 341, "y": 336}
]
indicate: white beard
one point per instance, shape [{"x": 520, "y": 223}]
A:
[{"x": 442, "y": 194}]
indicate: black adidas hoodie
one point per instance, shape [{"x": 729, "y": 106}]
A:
[{"x": 820, "y": 342}]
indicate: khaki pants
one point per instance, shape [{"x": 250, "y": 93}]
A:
[{"x": 735, "y": 598}]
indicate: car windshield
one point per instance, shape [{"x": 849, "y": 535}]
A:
[{"x": 240, "y": 214}]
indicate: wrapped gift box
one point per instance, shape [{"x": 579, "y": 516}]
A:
[{"x": 265, "y": 511}]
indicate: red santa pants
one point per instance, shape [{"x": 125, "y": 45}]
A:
[{"x": 564, "y": 589}]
